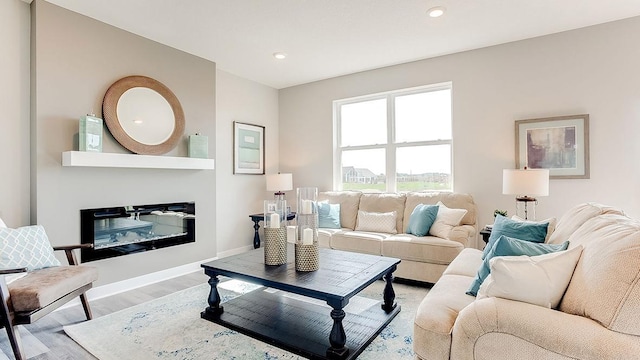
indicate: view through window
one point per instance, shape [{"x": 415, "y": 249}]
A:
[{"x": 396, "y": 141}]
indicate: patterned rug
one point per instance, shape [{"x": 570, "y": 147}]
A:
[{"x": 171, "y": 328}]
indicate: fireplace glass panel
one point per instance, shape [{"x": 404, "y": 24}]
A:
[{"x": 123, "y": 230}]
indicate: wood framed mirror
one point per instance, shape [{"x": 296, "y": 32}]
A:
[{"x": 143, "y": 115}]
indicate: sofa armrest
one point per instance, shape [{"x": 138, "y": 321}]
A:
[
  {"x": 462, "y": 234},
  {"x": 495, "y": 328}
]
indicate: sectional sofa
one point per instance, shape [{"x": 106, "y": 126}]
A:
[
  {"x": 598, "y": 315},
  {"x": 424, "y": 258}
]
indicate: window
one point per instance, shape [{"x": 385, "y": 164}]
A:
[{"x": 396, "y": 141}]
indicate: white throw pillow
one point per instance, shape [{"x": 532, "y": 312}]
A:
[
  {"x": 11, "y": 277},
  {"x": 377, "y": 222},
  {"x": 540, "y": 280},
  {"x": 26, "y": 246},
  {"x": 446, "y": 220},
  {"x": 550, "y": 228}
]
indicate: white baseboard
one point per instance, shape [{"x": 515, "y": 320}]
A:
[
  {"x": 235, "y": 251},
  {"x": 148, "y": 279},
  {"x": 139, "y": 281}
]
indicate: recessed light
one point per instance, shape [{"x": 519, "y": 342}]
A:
[
  {"x": 279, "y": 55},
  {"x": 436, "y": 11}
]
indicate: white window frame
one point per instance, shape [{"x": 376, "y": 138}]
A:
[{"x": 391, "y": 146}]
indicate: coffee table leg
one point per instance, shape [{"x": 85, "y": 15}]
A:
[
  {"x": 388, "y": 295},
  {"x": 214, "y": 298},
  {"x": 256, "y": 235},
  {"x": 337, "y": 338}
]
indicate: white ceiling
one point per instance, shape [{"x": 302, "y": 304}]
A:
[{"x": 328, "y": 38}]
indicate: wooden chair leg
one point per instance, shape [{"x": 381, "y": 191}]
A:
[
  {"x": 16, "y": 343},
  {"x": 85, "y": 306},
  {"x": 6, "y": 318}
]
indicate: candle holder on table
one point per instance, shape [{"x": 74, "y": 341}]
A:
[
  {"x": 307, "y": 256},
  {"x": 275, "y": 232}
]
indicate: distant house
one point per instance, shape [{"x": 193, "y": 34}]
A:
[{"x": 351, "y": 174}]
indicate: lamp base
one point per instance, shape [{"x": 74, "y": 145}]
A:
[
  {"x": 278, "y": 195},
  {"x": 523, "y": 209}
]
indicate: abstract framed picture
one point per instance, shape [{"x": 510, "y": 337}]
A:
[
  {"x": 248, "y": 149},
  {"x": 560, "y": 144}
]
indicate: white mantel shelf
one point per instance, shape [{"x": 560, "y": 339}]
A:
[{"x": 112, "y": 160}]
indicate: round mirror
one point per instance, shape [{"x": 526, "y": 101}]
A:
[{"x": 143, "y": 115}]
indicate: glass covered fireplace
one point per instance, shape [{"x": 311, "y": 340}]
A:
[{"x": 124, "y": 230}]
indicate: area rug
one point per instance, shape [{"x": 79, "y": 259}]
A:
[{"x": 171, "y": 328}]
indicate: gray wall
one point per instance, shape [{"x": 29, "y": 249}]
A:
[
  {"x": 75, "y": 60},
  {"x": 240, "y": 195},
  {"x": 14, "y": 119},
  {"x": 591, "y": 70}
]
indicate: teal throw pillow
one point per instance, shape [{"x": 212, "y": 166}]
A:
[
  {"x": 28, "y": 247},
  {"x": 421, "y": 219},
  {"x": 534, "y": 232},
  {"x": 329, "y": 215},
  {"x": 506, "y": 246}
]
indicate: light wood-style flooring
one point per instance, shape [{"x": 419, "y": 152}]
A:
[{"x": 49, "y": 341}]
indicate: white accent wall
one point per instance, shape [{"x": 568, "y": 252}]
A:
[{"x": 592, "y": 70}]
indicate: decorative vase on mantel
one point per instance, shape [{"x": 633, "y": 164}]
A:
[
  {"x": 307, "y": 256},
  {"x": 275, "y": 232}
]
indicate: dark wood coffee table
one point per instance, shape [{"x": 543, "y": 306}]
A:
[{"x": 305, "y": 327}]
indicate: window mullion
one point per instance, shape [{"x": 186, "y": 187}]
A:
[{"x": 390, "y": 149}]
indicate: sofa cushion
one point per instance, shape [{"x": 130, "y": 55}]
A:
[
  {"x": 437, "y": 314},
  {"x": 528, "y": 231},
  {"x": 429, "y": 249},
  {"x": 451, "y": 200},
  {"x": 324, "y": 236},
  {"x": 42, "y": 287},
  {"x": 506, "y": 246},
  {"x": 376, "y": 222},
  {"x": 28, "y": 247},
  {"x": 446, "y": 220},
  {"x": 349, "y": 202},
  {"x": 575, "y": 217},
  {"x": 328, "y": 215},
  {"x": 358, "y": 241},
  {"x": 466, "y": 263},
  {"x": 385, "y": 202},
  {"x": 606, "y": 282},
  {"x": 539, "y": 280},
  {"x": 421, "y": 219}
]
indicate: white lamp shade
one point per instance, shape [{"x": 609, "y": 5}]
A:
[
  {"x": 529, "y": 182},
  {"x": 280, "y": 182}
]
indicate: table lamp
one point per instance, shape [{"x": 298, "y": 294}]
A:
[
  {"x": 525, "y": 183},
  {"x": 279, "y": 183}
]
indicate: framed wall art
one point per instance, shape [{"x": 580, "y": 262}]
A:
[
  {"x": 560, "y": 144},
  {"x": 248, "y": 149}
]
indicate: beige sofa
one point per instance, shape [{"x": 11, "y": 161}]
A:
[
  {"x": 598, "y": 316},
  {"x": 423, "y": 258}
]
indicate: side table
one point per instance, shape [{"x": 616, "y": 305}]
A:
[
  {"x": 486, "y": 233},
  {"x": 256, "y": 218}
]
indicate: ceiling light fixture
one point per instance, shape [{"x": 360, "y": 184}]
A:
[
  {"x": 279, "y": 55},
  {"x": 437, "y": 11}
]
